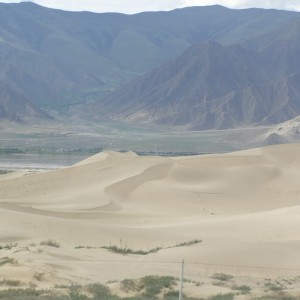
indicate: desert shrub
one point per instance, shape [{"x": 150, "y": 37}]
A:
[
  {"x": 50, "y": 243},
  {"x": 11, "y": 283},
  {"x": 31, "y": 294},
  {"x": 222, "y": 277},
  {"x": 171, "y": 295},
  {"x": 75, "y": 293},
  {"x": 99, "y": 291},
  {"x": 125, "y": 251},
  {"x": 153, "y": 285},
  {"x": 229, "y": 296},
  {"x": 129, "y": 285},
  {"x": 7, "y": 260},
  {"x": 277, "y": 296},
  {"x": 193, "y": 242},
  {"x": 38, "y": 276},
  {"x": 244, "y": 289},
  {"x": 8, "y": 246},
  {"x": 274, "y": 287}
]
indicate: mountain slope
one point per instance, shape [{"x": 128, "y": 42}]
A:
[
  {"x": 15, "y": 107},
  {"x": 210, "y": 86},
  {"x": 58, "y": 59}
]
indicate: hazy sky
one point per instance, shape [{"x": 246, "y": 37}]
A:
[{"x": 133, "y": 6}]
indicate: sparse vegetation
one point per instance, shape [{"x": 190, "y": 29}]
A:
[
  {"x": 148, "y": 285},
  {"x": 7, "y": 260},
  {"x": 10, "y": 283},
  {"x": 8, "y": 246},
  {"x": 275, "y": 286},
  {"x": 128, "y": 285},
  {"x": 146, "y": 288},
  {"x": 25, "y": 294},
  {"x": 243, "y": 289},
  {"x": 38, "y": 276},
  {"x": 75, "y": 293},
  {"x": 125, "y": 250},
  {"x": 222, "y": 277},
  {"x": 99, "y": 291},
  {"x": 277, "y": 296},
  {"x": 50, "y": 243},
  {"x": 188, "y": 243},
  {"x": 229, "y": 296},
  {"x": 86, "y": 247},
  {"x": 153, "y": 285}
]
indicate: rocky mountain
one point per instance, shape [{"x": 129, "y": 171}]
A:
[
  {"x": 57, "y": 60},
  {"x": 212, "y": 86}
]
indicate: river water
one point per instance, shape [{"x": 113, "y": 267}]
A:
[{"x": 39, "y": 161}]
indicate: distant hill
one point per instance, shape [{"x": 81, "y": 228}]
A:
[{"x": 57, "y": 60}]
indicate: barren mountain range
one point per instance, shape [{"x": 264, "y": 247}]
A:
[
  {"x": 199, "y": 67},
  {"x": 209, "y": 86}
]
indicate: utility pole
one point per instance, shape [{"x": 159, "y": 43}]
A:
[{"x": 181, "y": 280}]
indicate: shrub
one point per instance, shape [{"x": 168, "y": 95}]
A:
[
  {"x": 11, "y": 283},
  {"x": 50, "y": 243},
  {"x": 277, "y": 296},
  {"x": 99, "y": 291},
  {"x": 244, "y": 289},
  {"x": 193, "y": 242},
  {"x": 7, "y": 260},
  {"x": 75, "y": 293},
  {"x": 274, "y": 287},
  {"x": 171, "y": 295},
  {"x": 8, "y": 246},
  {"x": 153, "y": 285},
  {"x": 128, "y": 285},
  {"x": 222, "y": 297},
  {"x": 38, "y": 276},
  {"x": 222, "y": 277},
  {"x": 125, "y": 251}
]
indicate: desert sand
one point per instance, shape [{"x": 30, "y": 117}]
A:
[{"x": 243, "y": 206}]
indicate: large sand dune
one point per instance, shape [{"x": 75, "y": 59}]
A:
[{"x": 244, "y": 206}]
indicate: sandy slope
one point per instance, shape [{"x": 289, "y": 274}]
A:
[{"x": 244, "y": 206}]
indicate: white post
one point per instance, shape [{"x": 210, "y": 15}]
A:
[{"x": 181, "y": 280}]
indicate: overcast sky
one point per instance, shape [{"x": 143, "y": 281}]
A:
[{"x": 134, "y": 6}]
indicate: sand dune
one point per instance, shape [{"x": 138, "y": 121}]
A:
[{"x": 244, "y": 206}]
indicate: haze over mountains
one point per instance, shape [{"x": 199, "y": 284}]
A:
[{"x": 199, "y": 68}]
